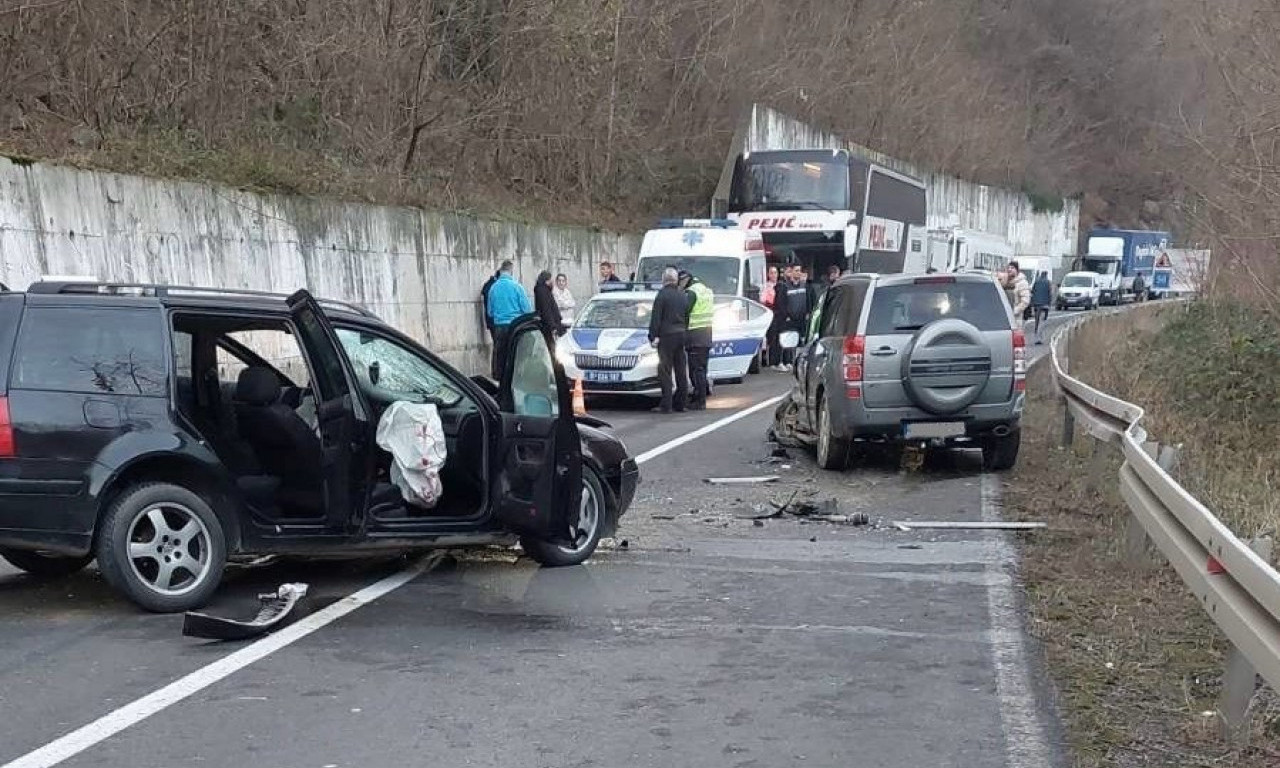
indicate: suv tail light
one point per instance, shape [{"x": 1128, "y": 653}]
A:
[
  {"x": 1019, "y": 361},
  {"x": 7, "y": 449},
  {"x": 854, "y": 348}
]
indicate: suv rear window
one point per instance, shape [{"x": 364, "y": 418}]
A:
[
  {"x": 908, "y": 308},
  {"x": 94, "y": 350}
]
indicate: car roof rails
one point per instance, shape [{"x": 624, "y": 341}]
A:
[{"x": 83, "y": 288}]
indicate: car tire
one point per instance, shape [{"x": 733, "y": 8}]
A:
[
  {"x": 163, "y": 547},
  {"x": 832, "y": 452},
  {"x": 45, "y": 566},
  {"x": 597, "y": 502},
  {"x": 1000, "y": 454},
  {"x": 755, "y": 364}
]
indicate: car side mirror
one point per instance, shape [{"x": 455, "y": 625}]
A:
[
  {"x": 375, "y": 372},
  {"x": 850, "y": 240}
]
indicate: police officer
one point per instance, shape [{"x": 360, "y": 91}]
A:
[{"x": 697, "y": 340}]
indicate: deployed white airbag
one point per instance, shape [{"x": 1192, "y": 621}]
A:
[{"x": 413, "y": 435}]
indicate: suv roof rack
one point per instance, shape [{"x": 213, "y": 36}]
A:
[{"x": 172, "y": 291}]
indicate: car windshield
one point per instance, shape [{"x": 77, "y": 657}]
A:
[
  {"x": 1077, "y": 281},
  {"x": 719, "y": 273},
  {"x": 908, "y": 308},
  {"x": 1101, "y": 267},
  {"x": 386, "y": 365},
  {"x": 616, "y": 313}
]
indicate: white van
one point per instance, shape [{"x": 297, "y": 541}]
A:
[
  {"x": 1079, "y": 289},
  {"x": 728, "y": 260}
]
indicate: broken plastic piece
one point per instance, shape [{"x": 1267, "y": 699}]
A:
[
  {"x": 742, "y": 480},
  {"x": 275, "y": 607},
  {"x": 908, "y": 525}
]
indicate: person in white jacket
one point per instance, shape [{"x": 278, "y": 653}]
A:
[{"x": 564, "y": 299}]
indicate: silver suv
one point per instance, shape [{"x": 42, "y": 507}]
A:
[{"x": 934, "y": 359}]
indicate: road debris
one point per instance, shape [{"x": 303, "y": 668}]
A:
[
  {"x": 275, "y": 607},
  {"x": 972, "y": 525},
  {"x": 742, "y": 480}
]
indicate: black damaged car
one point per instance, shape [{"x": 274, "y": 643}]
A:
[{"x": 164, "y": 430}]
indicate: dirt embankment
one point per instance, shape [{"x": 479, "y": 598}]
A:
[{"x": 1136, "y": 661}]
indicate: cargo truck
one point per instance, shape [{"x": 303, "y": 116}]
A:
[{"x": 1118, "y": 256}]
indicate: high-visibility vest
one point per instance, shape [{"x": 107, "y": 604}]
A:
[{"x": 704, "y": 307}]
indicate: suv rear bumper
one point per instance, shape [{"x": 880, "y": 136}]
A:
[{"x": 886, "y": 424}]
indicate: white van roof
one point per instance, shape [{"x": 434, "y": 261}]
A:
[{"x": 701, "y": 241}]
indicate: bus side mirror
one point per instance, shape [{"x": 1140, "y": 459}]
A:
[{"x": 850, "y": 240}]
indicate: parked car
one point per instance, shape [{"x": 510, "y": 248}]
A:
[
  {"x": 934, "y": 359},
  {"x": 163, "y": 430},
  {"x": 1079, "y": 290}
]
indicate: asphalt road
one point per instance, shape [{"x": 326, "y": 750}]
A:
[{"x": 709, "y": 640}]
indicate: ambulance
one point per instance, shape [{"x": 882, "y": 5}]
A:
[{"x": 728, "y": 260}]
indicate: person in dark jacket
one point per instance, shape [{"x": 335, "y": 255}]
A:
[
  {"x": 668, "y": 323},
  {"x": 544, "y": 303},
  {"x": 1041, "y": 298},
  {"x": 794, "y": 301},
  {"x": 484, "y": 302}
]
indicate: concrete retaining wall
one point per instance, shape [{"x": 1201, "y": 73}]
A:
[
  {"x": 419, "y": 270},
  {"x": 952, "y": 202}
]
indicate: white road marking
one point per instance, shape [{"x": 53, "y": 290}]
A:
[
  {"x": 135, "y": 712},
  {"x": 708, "y": 429},
  {"x": 1026, "y": 744}
]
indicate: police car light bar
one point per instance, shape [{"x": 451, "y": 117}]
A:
[{"x": 696, "y": 223}]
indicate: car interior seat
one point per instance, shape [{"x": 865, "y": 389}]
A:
[{"x": 286, "y": 448}]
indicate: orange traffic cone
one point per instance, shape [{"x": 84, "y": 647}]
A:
[{"x": 579, "y": 399}]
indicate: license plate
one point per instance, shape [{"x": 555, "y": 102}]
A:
[
  {"x": 603, "y": 377},
  {"x": 932, "y": 429}
]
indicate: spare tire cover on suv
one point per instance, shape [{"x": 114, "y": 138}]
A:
[{"x": 946, "y": 366}]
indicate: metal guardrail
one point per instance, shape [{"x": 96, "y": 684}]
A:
[{"x": 1233, "y": 580}]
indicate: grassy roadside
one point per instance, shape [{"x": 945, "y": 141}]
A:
[{"x": 1135, "y": 660}]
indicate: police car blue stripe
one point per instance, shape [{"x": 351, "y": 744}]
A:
[
  {"x": 586, "y": 338},
  {"x": 735, "y": 348}
]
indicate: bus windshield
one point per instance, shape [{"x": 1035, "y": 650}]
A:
[
  {"x": 719, "y": 273},
  {"x": 819, "y": 184}
]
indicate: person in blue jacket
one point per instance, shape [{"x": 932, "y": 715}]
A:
[{"x": 507, "y": 301}]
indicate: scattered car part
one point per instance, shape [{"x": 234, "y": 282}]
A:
[
  {"x": 742, "y": 480},
  {"x": 275, "y": 607},
  {"x": 974, "y": 525}
]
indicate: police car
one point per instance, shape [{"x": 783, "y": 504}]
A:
[{"x": 608, "y": 345}]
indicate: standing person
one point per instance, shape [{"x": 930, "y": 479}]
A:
[
  {"x": 697, "y": 343},
  {"x": 544, "y": 303},
  {"x": 833, "y": 274},
  {"x": 484, "y": 302},
  {"x": 795, "y": 303},
  {"x": 1139, "y": 288},
  {"x": 1041, "y": 298},
  {"x": 606, "y": 273},
  {"x": 769, "y": 298},
  {"x": 506, "y": 301},
  {"x": 1020, "y": 292},
  {"x": 564, "y": 299},
  {"x": 668, "y": 323}
]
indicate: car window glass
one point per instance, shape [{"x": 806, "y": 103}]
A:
[
  {"x": 396, "y": 368},
  {"x": 831, "y": 311},
  {"x": 329, "y": 376},
  {"x": 277, "y": 347},
  {"x": 907, "y": 308},
  {"x": 533, "y": 384},
  {"x": 92, "y": 350}
]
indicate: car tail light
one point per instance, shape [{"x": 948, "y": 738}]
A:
[
  {"x": 1019, "y": 361},
  {"x": 854, "y": 348},
  {"x": 7, "y": 449}
]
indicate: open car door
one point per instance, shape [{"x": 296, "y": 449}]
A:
[
  {"x": 538, "y": 482},
  {"x": 339, "y": 412}
]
